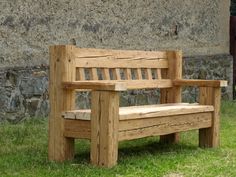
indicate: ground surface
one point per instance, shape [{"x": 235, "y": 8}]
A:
[{"x": 23, "y": 152}]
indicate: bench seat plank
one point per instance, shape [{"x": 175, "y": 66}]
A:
[
  {"x": 140, "y": 128},
  {"x": 147, "y": 111}
]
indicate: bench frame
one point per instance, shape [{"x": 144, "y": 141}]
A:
[{"x": 103, "y": 129}]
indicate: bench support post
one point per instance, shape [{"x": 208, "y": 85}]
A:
[
  {"x": 172, "y": 95},
  {"x": 209, "y": 137},
  {"x": 104, "y": 128},
  {"x": 60, "y": 148}
]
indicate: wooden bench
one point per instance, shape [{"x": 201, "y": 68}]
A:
[{"x": 106, "y": 124}]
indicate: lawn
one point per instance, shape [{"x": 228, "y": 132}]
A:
[{"x": 23, "y": 152}]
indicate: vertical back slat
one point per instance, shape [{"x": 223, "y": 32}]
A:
[
  {"x": 105, "y": 74},
  {"x": 138, "y": 74},
  {"x": 128, "y": 75},
  {"x": 116, "y": 74},
  {"x": 80, "y": 74},
  {"x": 93, "y": 74},
  {"x": 148, "y": 74},
  {"x": 158, "y": 74}
]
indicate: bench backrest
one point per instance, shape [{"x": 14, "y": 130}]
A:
[
  {"x": 119, "y": 65},
  {"x": 69, "y": 63},
  {"x": 103, "y": 64}
]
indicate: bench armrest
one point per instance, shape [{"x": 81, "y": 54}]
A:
[
  {"x": 200, "y": 83},
  {"x": 118, "y": 85},
  {"x": 95, "y": 85}
]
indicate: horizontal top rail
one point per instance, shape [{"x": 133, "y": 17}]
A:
[
  {"x": 120, "y": 54},
  {"x": 112, "y": 62}
]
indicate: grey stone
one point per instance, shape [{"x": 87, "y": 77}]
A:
[
  {"x": 33, "y": 86},
  {"x": 32, "y": 105}
]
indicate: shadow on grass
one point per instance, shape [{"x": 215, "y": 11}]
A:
[{"x": 138, "y": 148}]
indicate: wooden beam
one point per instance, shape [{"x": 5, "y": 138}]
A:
[
  {"x": 120, "y": 54},
  {"x": 138, "y": 74},
  {"x": 96, "y": 85},
  {"x": 93, "y": 73},
  {"x": 120, "y": 63},
  {"x": 172, "y": 95},
  {"x": 120, "y": 85},
  {"x": 200, "y": 83},
  {"x": 80, "y": 75},
  {"x": 104, "y": 128},
  {"x": 209, "y": 137},
  {"x": 62, "y": 68},
  {"x": 148, "y": 73},
  {"x": 140, "y": 128},
  {"x": 77, "y": 129},
  {"x": 128, "y": 74},
  {"x": 105, "y": 74},
  {"x": 116, "y": 73},
  {"x": 147, "y": 111}
]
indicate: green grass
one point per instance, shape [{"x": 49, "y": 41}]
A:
[{"x": 23, "y": 152}]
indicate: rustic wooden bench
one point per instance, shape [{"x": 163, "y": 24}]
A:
[{"x": 106, "y": 124}]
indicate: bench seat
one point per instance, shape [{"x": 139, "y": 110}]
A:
[
  {"x": 146, "y": 111},
  {"x": 143, "y": 121}
]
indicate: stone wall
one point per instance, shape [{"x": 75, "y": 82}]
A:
[
  {"x": 28, "y": 27},
  {"x": 24, "y": 91}
]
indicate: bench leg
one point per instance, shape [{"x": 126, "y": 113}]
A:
[
  {"x": 170, "y": 96},
  {"x": 60, "y": 148},
  {"x": 62, "y": 69},
  {"x": 170, "y": 138},
  {"x": 104, "y": 128},
  {"x": 209, "y": 137}
]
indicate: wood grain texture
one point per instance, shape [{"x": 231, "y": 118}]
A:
[
  {"x": 95, "y": 85},
  {"x": 200, "y": 83},
  {"x": 172, "y": 95},
  {"x": 116, "y": 73},
  {"x": 118, "y": 85},
  {"x": 136, "y": 128},
  {"x": 209, "y": 137},
  {"x": 104, "y": 128},
  {"x": 77, "y": 129},
  {"x": 148, "y": 73},
  {"x": 159, "y": 73},
  {"x": 93, "y": 74},
  {"x": 120, "y": 54},
  {"x": 138, "y": 74},
  {"x": 105, "y": 74},
  {"x": 118, "y": 63},
  {"x": 163, "y": 125},
  {"x": 61, "y": 69},
  {"x": 127, "y": 73},
  {"x": 147, "y": 111},
  {"x": 95, "y": 126},
  {"x": 80, "y": 75}
]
